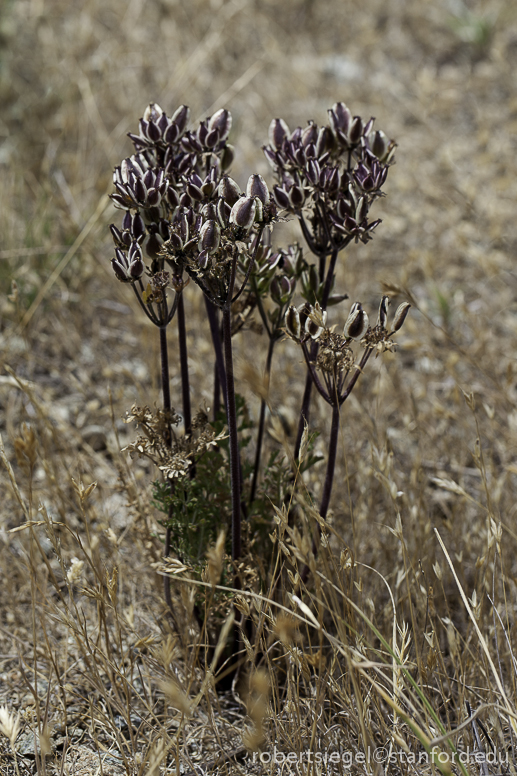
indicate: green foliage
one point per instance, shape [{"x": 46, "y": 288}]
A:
[{"x": 200, "y": 506}]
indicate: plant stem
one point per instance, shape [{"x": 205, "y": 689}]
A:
[
  {"x": 211, "y": 311},
  {"x": 262, "y": 418},
  {"x": 327, "y": 485},
  {"x": 185, "y": 387},
  {"x": 331, "y": 462},
  {"x": 232, "y": 431},
  {"x": 164, "y": 357},
  {"x": 306, "y": 401},
  {"x": 166, "y": 391}
]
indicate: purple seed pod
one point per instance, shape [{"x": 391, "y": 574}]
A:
[
  {"x": 313, "y": 172},
  {"x": 310, "y": 134},
  {"x": 194, "y": 192},
  {"x": 281, "y": 289},
  {"x": 209, "y": 237},
  {"x": 212, "y": 139},
  {"x": 292, "y": 323},
  {"x": 340, "y": 118},
  {"x": 243, "y": 212},
  {"x": 356, "y": 130},
  {"x": 203, "y": 260},
  {"x": 400, "y": 315},
  {"x": 281, "y": 197},
  {"x": 356, "y": 323},
  {"x": 221, "y": 121},
  {"x": 152, "y": 112},
  {"x": 378, "y": 144},
  {"x": 312, "y": 328},
  {"x": 323, "y": 142},
  {"x": 296, "y": 197},
  {"x": 172, "y": 197},
  {"x": 383, "y": 312},
  {"x": 209, "y": 211},
  {"x": 278, "y": 132},
  {"x": 229, "y": 190},
  {"x": 175, "y": 241},
  {"x": 362, "y": 210},
  {"x": 257, "y": 187},
  {"x": 223, "y": 213},
  {"x": 181, "y": 118}
]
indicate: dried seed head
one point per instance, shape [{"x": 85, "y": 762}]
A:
[
  {"x": 356, "y": 323},
  {"x": 75, "y": 571},
  {"x": 215, "y": 557},
  {"x": 400, "y": 315}
]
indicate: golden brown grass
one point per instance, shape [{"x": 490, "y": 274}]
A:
[{"x": 410, "y": 608}]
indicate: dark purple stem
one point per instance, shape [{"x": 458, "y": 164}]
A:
[
  {"x": 232, "y": 432},
  {"x": 213, "y": 321},
  {"x": 185, "y": 387},
  {"x": 166, "y": 391},
  {"x": 262, "y": 419}
]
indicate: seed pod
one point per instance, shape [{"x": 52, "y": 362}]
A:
[
  {"x": 257, "y": 187},
  {"x": 292, "y": 322},
  {"x": 229, "y": 190},
  {"x": 356, "y": 129},
  {"x": 243, "y": 212},
  {"x": 222, "y": 122},
  {"x": 152, "y": 112},
  {"x": 181, "y": 118},
  {"x": 203, "y": 260},
  {"x": 379, "y": 144},
  {"x": 210, "y": 236},
  {"x": 312, "y": 328},
  {"x": 278, "y": 132},
  {"x": 309, "y": 134},
  {"x": 223, "y": 213},
  {"x": 227, "y": 157},
  {"x": 175, "y": 241},
  {"x": 281, "y": 288},
  {"x": 340, "y": 117},
  {"x": 356, "y": 323},
  {"x": 400, "y": 315},
  {"x": 362, "y": 210},
  {"x": 281, "y": 197},
  {"x": 296, "y": 197},
  {"x": 383, "y": 312}
]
